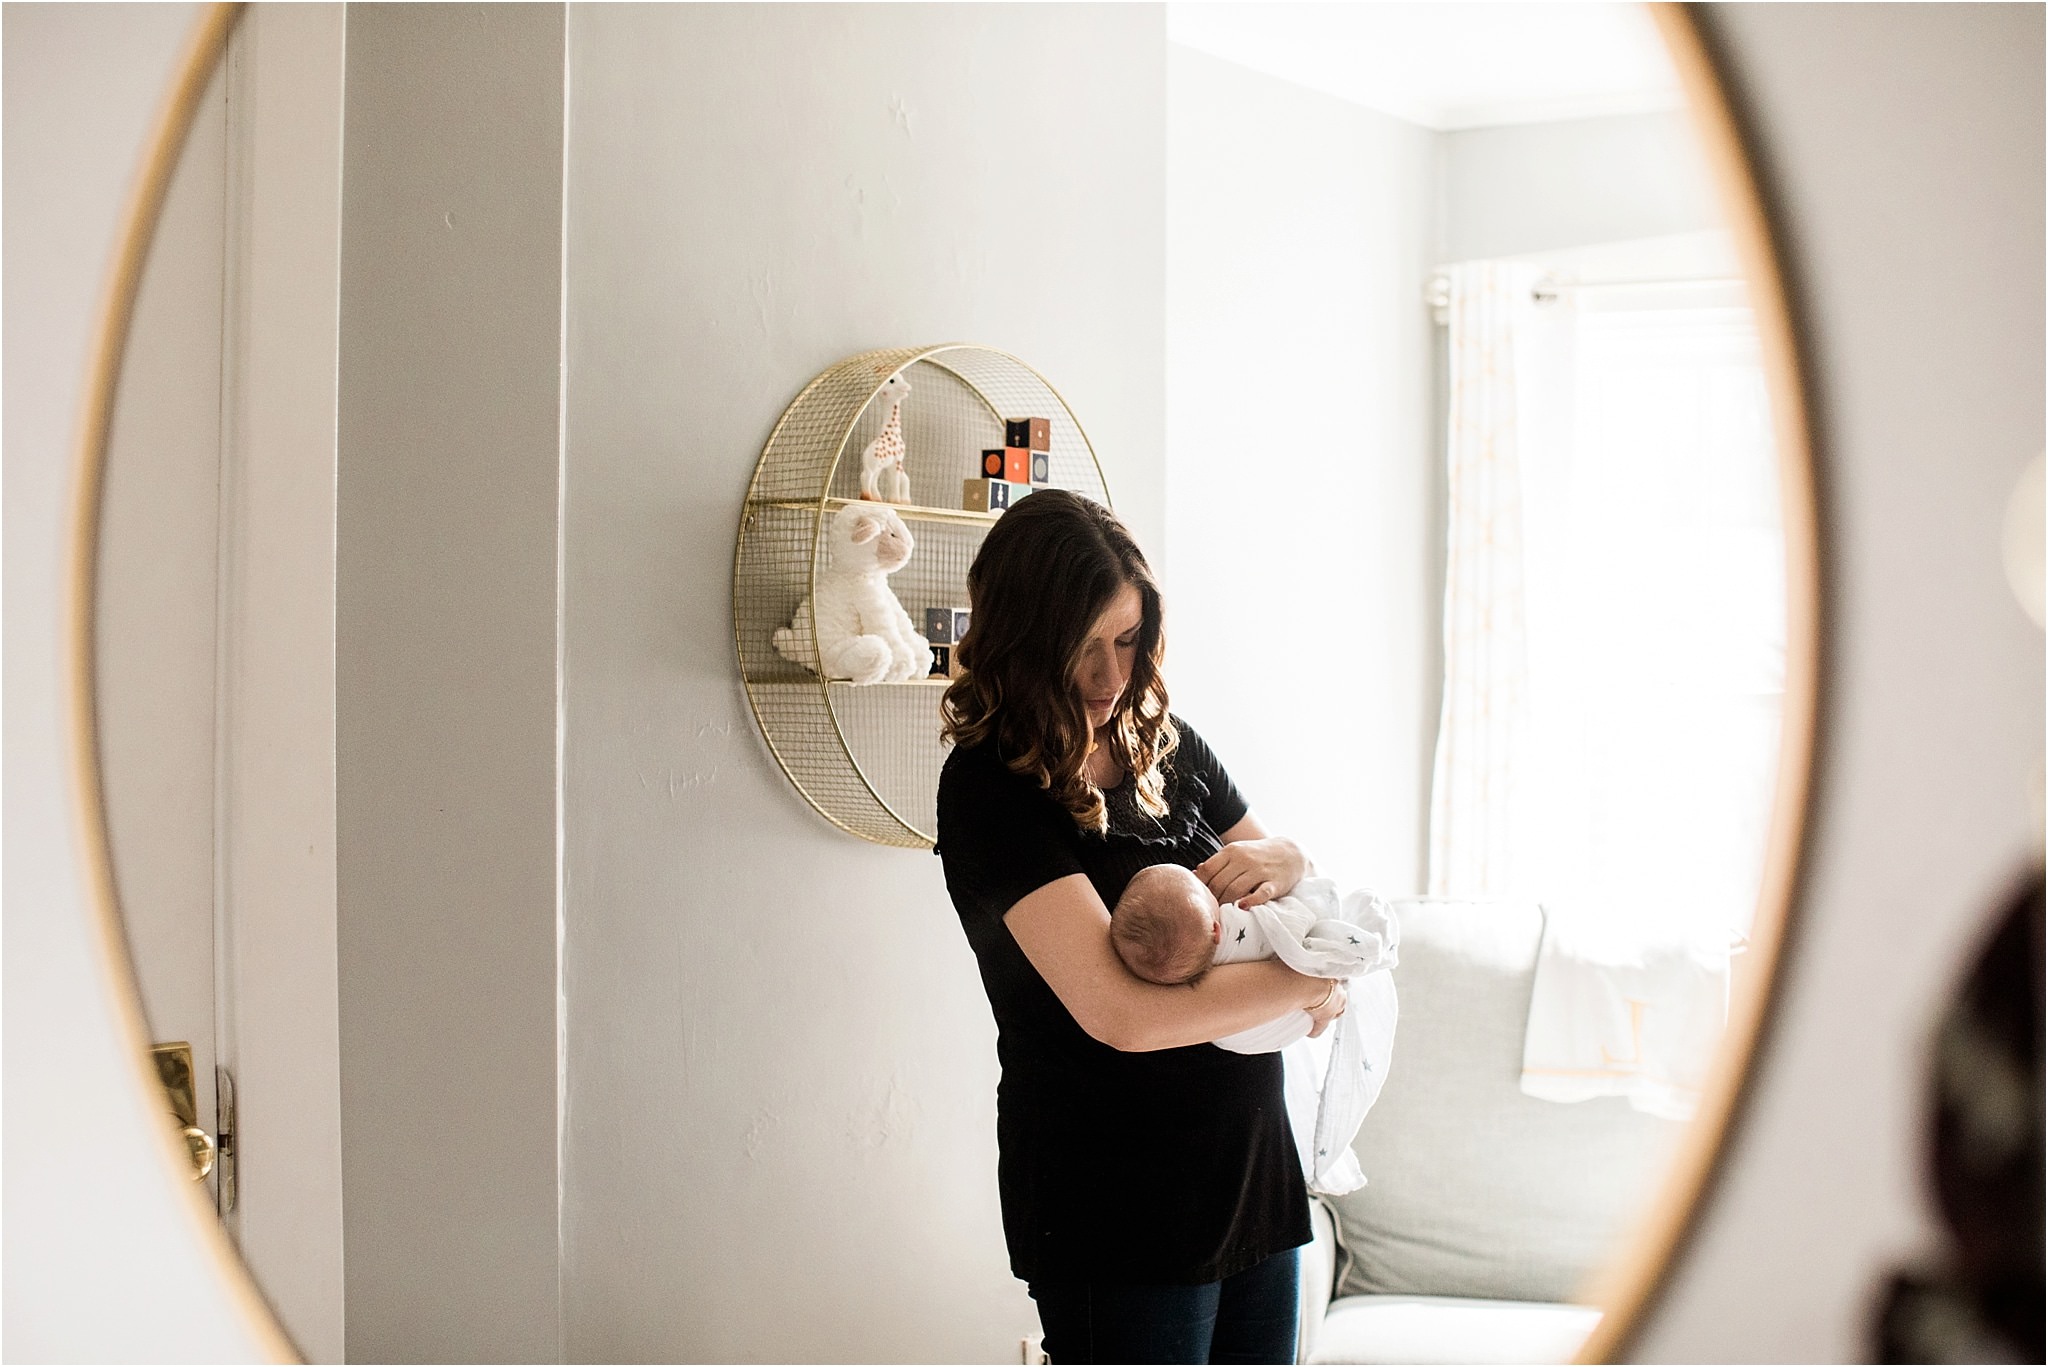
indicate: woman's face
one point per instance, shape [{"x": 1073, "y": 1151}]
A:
[{"x": 1108, "y": 654}]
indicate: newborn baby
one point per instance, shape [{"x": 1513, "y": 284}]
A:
[
  {"x": 1167, "y": 926},
  {"x": 1169, "y": 929}
]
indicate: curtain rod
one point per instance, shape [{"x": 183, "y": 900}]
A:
[
  {"x": 1552, "y": 288},
  {"x": 1549, "y": 288}
]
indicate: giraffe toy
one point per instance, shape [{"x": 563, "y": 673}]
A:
[{"x": 882, "y": 478}]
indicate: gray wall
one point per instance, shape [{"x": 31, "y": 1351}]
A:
[
  {"x": 445, "y": 691},
  {"x": 1537, "y": 187},
  {"x": 1301, "y": 482},
  {"x": 779, "y": 1134}
]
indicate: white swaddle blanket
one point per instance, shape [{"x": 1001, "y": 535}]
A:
[{"x": 1314, "y": 931}]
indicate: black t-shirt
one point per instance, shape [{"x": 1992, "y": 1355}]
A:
[{"x": 1173, "y": 1166}]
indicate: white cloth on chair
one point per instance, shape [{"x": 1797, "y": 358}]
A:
[
  {"x": 1314, "y": 931},
  {"x": 1618, "y": 1013}
]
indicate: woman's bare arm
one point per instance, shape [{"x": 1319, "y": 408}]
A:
[
  {"x": 1063, "y": 929},
  {"x": 1253, "y": 867}
]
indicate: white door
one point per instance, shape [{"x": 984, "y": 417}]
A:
[
  {"x": 215, "y": 628},
  {"x": 158, "y": 608}
]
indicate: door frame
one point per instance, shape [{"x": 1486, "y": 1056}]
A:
[{"x": 277, "y": 889}]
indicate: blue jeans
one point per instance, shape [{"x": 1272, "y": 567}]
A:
[{"x": 1251, "y": 1317}]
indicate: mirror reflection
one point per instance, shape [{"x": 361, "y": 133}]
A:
[{"x": 1463, "y": 517}]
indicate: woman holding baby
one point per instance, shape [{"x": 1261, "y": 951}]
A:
[{"x": 1151, "y": 1191}]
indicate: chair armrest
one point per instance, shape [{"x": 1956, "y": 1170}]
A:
[{"x": 1318, "y": 1277}]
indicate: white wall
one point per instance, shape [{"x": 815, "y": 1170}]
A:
[
  {"x": 1903, "y": 148},
  {"x": 1302, "y": 629},
  {"x": 779, "y": 1128},
  {"x": 445, "y": 623},
  {"x": 1535, "y": 187}
]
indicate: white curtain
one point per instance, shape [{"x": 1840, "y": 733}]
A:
[
  {"x": 1483, "y": 733},
  {"x": 1613, "y": 605},
  {"x": 1656, "y": 603}
]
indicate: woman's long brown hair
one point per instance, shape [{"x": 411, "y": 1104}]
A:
[{"x": 1046, "y": 573}]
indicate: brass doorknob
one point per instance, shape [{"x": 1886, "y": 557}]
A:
[
  {"x": 174, "y": 1070},
  {"x": 201, "y": 1146}
]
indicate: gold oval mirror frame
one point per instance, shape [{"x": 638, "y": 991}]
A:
[
  {"x": 195, "y": 69},
  {"x": 1633, "y": 1279}
]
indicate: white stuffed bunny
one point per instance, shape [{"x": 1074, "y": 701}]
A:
[{"x": 865, "y": 633}]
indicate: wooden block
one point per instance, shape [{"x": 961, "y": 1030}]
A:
[
  {"x": 1041, "y": 467},
  {"x": 985, "y": 495},
  {"x": 1016, "y": 465},
  {"x": 993, "y": 463},
  {"x": 1033, "y": 434},
  {"x": 945, "y": 626},
  {"x": 945, "y": 663}
]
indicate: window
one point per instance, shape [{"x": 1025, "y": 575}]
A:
[
  {"x": 1630, "y": 734},
  {"x": 1655, "y": 616}
]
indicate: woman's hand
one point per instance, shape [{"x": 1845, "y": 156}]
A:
[
  {"x": 1329, "y": 1008},
  {"x": 1249, "y": 872}
]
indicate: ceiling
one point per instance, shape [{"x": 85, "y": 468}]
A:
[{"x": 1448, "y": 65}]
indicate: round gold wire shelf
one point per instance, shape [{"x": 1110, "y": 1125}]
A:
[{"x": 868, "y": 756}]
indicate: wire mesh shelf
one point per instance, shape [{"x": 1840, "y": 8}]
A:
[{"x": 867, "y": 757}]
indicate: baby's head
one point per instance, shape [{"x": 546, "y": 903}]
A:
[{"x": 1166, "y": 926}]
